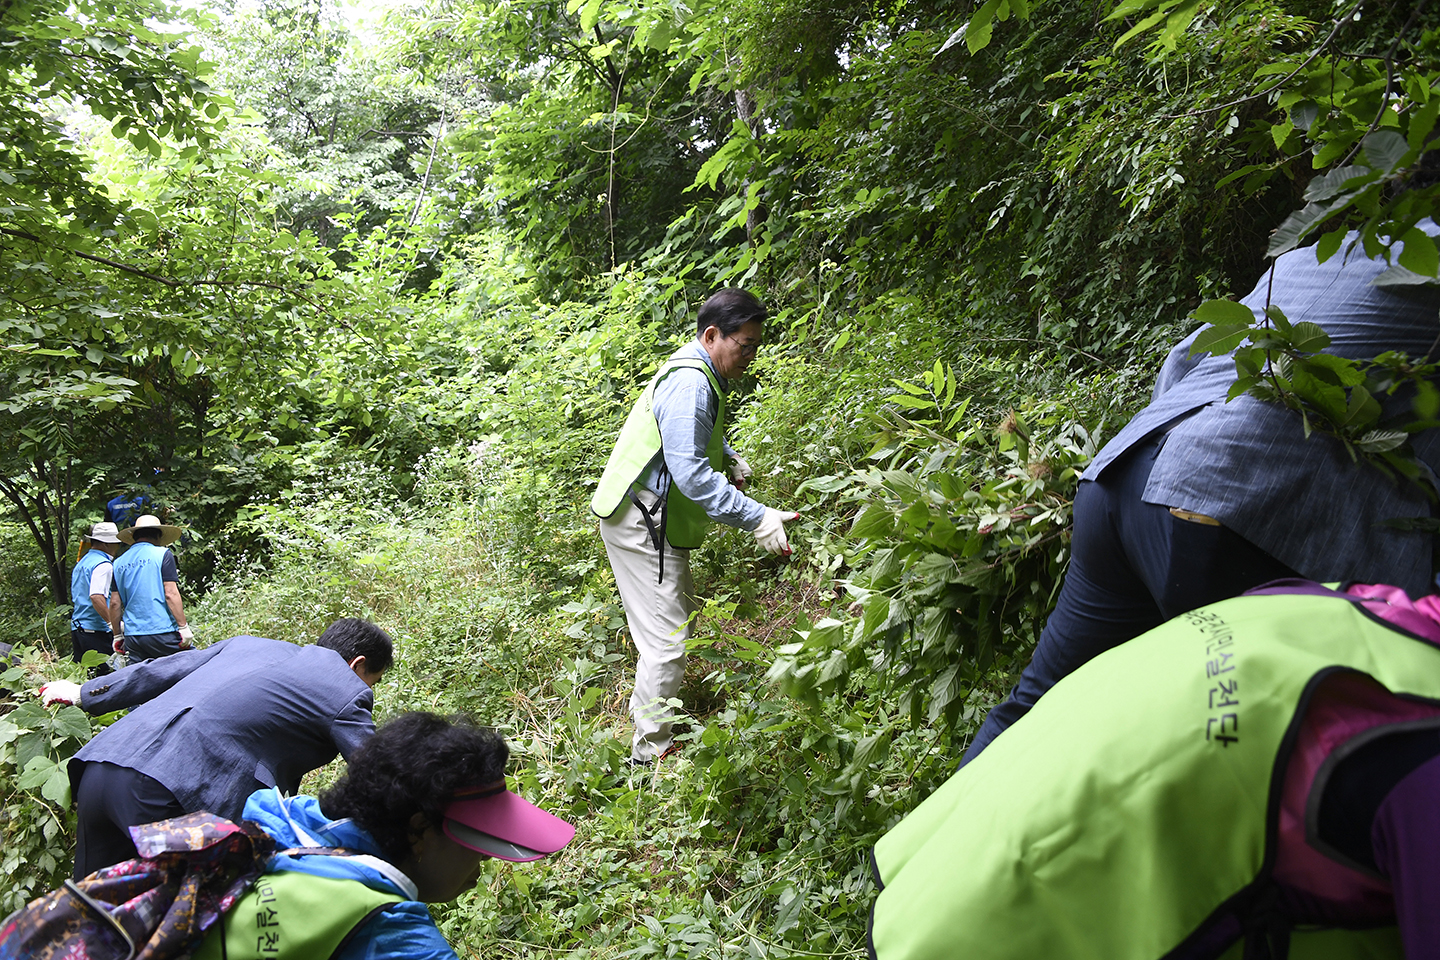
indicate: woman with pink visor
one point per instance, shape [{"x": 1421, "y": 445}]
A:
[{"x": 420, "y": 807}]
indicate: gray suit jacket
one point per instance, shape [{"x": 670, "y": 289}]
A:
[
  {"x": 217, "y": 724},
  {"x": 1248, "y": 463}
]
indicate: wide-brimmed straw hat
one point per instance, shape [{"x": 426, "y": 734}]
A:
[
  {"x": 104, "y": 532},
  {"x": 168, "y": 533},
  {"x": 492, "y": 820}
]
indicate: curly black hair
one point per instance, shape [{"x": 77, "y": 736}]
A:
[{"x": 413, "y": 764}]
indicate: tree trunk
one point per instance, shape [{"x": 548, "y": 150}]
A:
[{"x": 745, "y": 108}]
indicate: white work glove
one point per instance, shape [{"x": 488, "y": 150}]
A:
[
  {"x": 771, "y": 532},
  {"x": 60, "y": 691},
  {"x": 186, "y": 635},
  {"x": 739, "y": 471}
]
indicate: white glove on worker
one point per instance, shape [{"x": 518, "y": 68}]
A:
[
  {"x": 771, "y": 532},
  {"x": 63, "y": 692},
  {"x": 186, "y": 635},
  {"x": 739, "y": 471}
]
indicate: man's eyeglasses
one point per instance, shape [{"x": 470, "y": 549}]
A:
[{"x": 747, "y": 347}]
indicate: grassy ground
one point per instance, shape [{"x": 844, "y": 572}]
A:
[{"x": 733, "y": 848}]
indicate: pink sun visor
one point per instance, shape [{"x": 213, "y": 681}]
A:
[{"x": 492, "y": 820}]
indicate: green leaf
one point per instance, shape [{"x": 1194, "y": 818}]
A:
[
  {"x": 660, "y": 36},
  {"x": 1399, "y": 276},
  {"x": 56, "y": 788},
  {"x": 982, "y": 24},
  {"x": 1386, "y": 150},
  {"x": 1335, "y": 182},
  {"x": 874, "y": 522},
  {"x": 1419, "y": 254},
  {"x": 1224, "y": 312},
  {"x": 1422, "y": 119},
  {"x": 37, "y": 770},
  {"x": 589, "y": 15},
  {"x": 72, "y": 722},
  {"x": 1220, "y": 339},
  {"x": 1140, "y": 27},
  {"x": 947, "y": 687},
  {"x": 1363, "y": 409},
  {"x": 1379, "y": 441},
  {"x": 1329, "y": 244},
  {"x": 1308, "y": 337}
]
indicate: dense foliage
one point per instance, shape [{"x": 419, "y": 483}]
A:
[{"x": 364, "y": 312}]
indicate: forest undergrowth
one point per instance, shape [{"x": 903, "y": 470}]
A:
[{"x": 754, "y": 840}]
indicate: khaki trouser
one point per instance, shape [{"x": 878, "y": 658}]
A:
[{"x": 659, "y": 618}]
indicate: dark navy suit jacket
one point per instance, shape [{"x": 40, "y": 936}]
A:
[
  {"x": 1248, "y": 463},
  {"x": 215, "y": 725}
]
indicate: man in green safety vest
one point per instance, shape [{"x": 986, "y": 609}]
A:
[
  {"x": 1258, "y": 777},
  {"x": 669, "y": 477}
]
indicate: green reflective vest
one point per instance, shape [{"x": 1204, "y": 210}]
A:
[
  {"x": 685, "y": 522},
  {"x": 289, "y": 915},
  {"x": 1139, "y": 798}
]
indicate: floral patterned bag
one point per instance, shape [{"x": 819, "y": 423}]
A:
[{"x": 157, "y": 907}]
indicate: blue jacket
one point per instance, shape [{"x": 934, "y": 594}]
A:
[
  {"x": 141, "y": 587},
  {"x": 402, "y": 931},
  {"x": 83, "y": 616},
  {"x": 1248, "y": 464},
  {"x": 216, "y": 724}
]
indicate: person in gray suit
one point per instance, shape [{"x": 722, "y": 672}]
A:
[
  {"x": 211, "y": 726},
  {"x": 1197, "y": 500}
]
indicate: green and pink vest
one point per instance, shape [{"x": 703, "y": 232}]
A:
[
  {"x": 685, "y": 522},
  {"x": 1152, "y": 803}
]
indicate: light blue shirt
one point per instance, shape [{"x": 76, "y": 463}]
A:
[
  {"x": 1248, "y": 463},
  {"x": 685, "y": 409}
]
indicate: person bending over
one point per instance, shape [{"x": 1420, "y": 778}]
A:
[
  {"x": 210, "y": 726},
  {"x": 419, "y": 809}
]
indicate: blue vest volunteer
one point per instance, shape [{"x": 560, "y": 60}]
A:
[
  {"x": 141, "y": 586},
  {"x": 83, "y": 615}
]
